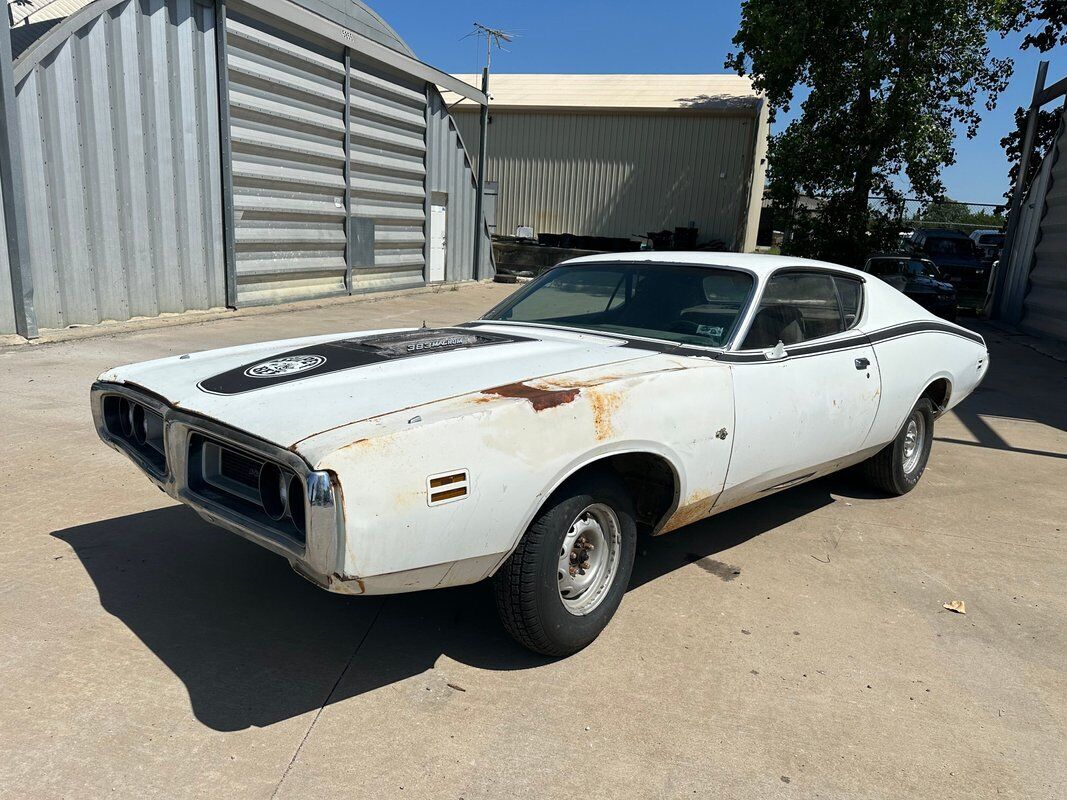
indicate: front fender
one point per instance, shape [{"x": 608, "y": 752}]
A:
[{"x": 518, "y": 444}]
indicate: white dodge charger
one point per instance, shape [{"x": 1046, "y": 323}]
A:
[{"x": 612, "y": 395}]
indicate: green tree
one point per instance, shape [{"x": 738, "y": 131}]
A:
[
  {"x": 1048, "y": 124},
  {"x": 948, "y": 213},
  {"x": 1046, "y": 21},
  {"x": 885, "y": 84}
]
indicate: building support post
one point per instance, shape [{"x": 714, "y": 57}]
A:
[
  {"x": 229, "y": 240},
  {"x": 14, "y": 194},
  {"x": 1018, "y": 194},
  {"x": 348, "y": 171},
  {"x": 479, "y": 221}
]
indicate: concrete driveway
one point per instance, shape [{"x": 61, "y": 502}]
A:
[{"x": 796, "y": 647}]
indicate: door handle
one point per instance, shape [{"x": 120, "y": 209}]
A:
[{"x": 862, "y": 363}]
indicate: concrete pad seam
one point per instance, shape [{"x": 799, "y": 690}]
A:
[{"x": 326, "y": 702}]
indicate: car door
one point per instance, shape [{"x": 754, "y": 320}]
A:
[{"x": 806, "y": 384}]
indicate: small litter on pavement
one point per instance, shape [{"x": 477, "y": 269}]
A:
[{"x": 956, "y": 605}]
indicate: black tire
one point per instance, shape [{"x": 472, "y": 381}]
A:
[
  {"x": 527, "y": 586},
  {"x": 889, "y": 469}
]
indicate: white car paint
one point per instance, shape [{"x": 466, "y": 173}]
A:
[{"x": 516, "y": 419}]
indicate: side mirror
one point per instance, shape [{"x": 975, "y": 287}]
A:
[{"x": 776, "y": 352}]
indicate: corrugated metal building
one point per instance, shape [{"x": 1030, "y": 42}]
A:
[
  {"x": 189, "y": 154},
  {"x": 1034, "y": 287},
  {"x": 617, "y": 155}
]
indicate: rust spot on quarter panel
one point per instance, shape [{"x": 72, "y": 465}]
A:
[{"x": 540, "y": 399}]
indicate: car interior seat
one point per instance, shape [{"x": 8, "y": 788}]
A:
[{"x": 773, "y": 324}]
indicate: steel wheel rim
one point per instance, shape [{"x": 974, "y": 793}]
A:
[
  {"x": 589, "y": 559},
  {"x": 914, "y": 434}
]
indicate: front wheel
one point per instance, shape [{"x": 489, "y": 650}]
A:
[
  {"x": 896, "y": 468},
  {"x": 563, "y": 583}
]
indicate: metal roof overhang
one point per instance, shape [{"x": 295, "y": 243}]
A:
[
  {"x": 313, "y": 22},
  {"x": 288, "y": 10}
]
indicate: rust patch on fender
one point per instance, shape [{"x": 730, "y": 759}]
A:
[
  {"x": 368, "y": 444},
  {"x": 540, "y": 399},
  {"x": 604, "y": 405}
]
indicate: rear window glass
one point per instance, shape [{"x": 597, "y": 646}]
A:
[{"x": 944, "y": 246}]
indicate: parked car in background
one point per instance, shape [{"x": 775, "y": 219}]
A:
[
  {"x": 613, "y": 394},
  {"x": 958, "y": 260},
  {"x": 919, "y": 279},
  {"x": 989, "y": 243}
]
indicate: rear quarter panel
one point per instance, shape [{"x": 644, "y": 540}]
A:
[
  {"x": 909, "y": 360},
  {"x": 519, "y": 443}
]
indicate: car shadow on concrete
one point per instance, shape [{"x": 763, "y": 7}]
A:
[
  {"x": 254, "y": 643},
  {"x": 1023, "y": 384}
]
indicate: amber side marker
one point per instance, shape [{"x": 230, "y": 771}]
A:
[
  {"x": 447, "y": 479},
  {"x": 447, "y": 487}
]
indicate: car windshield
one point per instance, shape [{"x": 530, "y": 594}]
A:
[
  {"x": 688, "y": 305},
  {"x": 911, "y": 267},
  {"x": 949, "y": 246},
  {"x": 994, "y": 239}
]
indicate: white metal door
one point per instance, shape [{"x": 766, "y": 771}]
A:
[
  {"x": 799, "y": 415},
  {"x": 438, "y": 242}
]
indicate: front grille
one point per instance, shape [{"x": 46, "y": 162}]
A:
[
  {"x": 268, "y": 494},
  {"x": 238, "y": 467},
  {"x": 137, "y": 428}
]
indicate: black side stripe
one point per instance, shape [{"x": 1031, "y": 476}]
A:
[
  {"x": 907, "y": 328},
  {"x": 793, "y": 351}
]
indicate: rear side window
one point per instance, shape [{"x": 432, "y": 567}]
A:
[
  {"x": 799, "y": 306},
  {"x": 796, "y": 307},
  {"x": 850, "y": 291}
]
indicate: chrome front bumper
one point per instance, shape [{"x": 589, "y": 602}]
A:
[{"x": 317, "y": 558}]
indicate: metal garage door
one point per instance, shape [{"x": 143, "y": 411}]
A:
[
  {"x": 387, "y": 129},
  {"x": 287, "y": 134}
]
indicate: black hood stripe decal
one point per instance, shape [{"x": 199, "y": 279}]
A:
[{"x": 344, "y": 354}]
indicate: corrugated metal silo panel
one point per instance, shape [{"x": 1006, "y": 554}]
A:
[
  {"x": 1045, "y": 306},
  {"x": 387, "y": 130},
  {"x": 287, "y": 138},
  {"x": 119, "y": 166}
]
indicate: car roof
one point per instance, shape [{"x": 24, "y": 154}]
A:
[
  {"x": 761, "y": 265},
  {"x": 904, "y": 256},
  {"x": 943, "y": 232}
]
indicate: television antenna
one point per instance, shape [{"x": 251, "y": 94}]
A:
[{"x": 494, "y": 38}]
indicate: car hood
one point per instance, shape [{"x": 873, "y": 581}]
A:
[
  {"x": 284, "y": 392},
  {"x": 927, "y": 284}
]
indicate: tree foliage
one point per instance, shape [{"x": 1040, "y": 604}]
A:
[
  {"x": 948, "y": 213},
  {"x": 881, "y": 87},
  {"x": 1048, "y": 123},
  {"x": 1046, "y": 21}
]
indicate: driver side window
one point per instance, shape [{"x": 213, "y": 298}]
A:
[{"x": 797, "y": 307}]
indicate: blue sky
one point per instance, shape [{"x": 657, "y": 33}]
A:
[{"x": 680, "y": 36}]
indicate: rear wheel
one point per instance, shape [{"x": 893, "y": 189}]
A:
[
  {"x": 896, "y": 468},
  {"x": 563, "y": 583}
]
